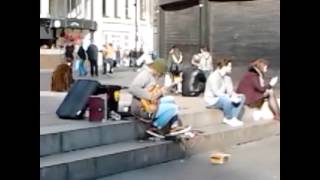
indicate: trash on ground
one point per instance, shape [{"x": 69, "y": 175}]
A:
[{"x": 219, "y": 158}]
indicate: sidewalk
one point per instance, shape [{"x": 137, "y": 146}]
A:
[
  {"x": 246, "y": 160},
  {"x": 117, "y": 69}
]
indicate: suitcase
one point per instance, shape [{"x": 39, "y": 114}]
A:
[
  {"x": 96, "y": 107},
  {"x": 75, "y": 103}
]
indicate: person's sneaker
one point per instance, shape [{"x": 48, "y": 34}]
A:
[
  {"x": 240, "y": 123},
  {"x": 154, "y": 132},
  {"x": 231, "y": 122},
  {"x": 179, "y": 130}
]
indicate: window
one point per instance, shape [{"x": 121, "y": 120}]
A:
[
  {"x": 116, "y": 12},
  {"x": 104, "y": 8},
  {"x": 72, "y": 4},
  {"x": 40, "y": 7},
  {"x": 143, "y": 9},
  {"x": 50, "y": 7},
  {"x": 127, "y": 10}
]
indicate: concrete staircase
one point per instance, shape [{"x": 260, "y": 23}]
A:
[{"x": 80, "y": 150}]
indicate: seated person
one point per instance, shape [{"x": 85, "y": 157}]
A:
[
  {"x": 61, "y": 78},
  {"x": 193, "y": 79},
  {"x": 219, "y": 93},
  {"x": 148, "y": 100},
  {"x": 206, "y": 64},
  {"x": 253, "y": 86},
  {"x": 175, "y": 67}
]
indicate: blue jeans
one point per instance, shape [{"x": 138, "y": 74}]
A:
[
  {"x": 105, "y": 62},
  {"x": 82, "y": 69},
  {"x": 230, "y": 109},
  {"x": 166, "y": 111}
]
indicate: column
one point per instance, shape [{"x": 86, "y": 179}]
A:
[
  {"x": 161, "y": 32},
  {"x": 44, "y": 8},
  {"x": 203, "y": 22}
]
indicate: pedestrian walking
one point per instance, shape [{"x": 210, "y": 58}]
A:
[
  {"x": 82, "y": 57},
  {"x": 92, "y": 53}
]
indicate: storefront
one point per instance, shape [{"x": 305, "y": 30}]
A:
[
  {"x": 46, "y": 32},
  {"x": 54, "y": 32}
]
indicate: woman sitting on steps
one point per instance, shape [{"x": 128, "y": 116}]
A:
[{"x": 253, "y": 86}]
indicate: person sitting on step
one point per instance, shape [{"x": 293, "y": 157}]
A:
[
  {"x": 149, "y": 102},
  {"x": 219, "y": 93},
  {"x": 253, "y": 86},
  {"x": 193, "y": 78}
]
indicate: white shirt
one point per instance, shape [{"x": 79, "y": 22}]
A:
[
  {"x": 205, "y": 61},
  {"x": 217, "y": 85}
]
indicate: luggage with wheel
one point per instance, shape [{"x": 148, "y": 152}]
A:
[{"x": 75, "y": 103}]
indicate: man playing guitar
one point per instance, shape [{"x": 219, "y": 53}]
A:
[{"x": 149, "y": 101}]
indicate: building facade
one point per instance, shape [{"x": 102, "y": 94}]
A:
[
  {"x": 118, "y": 21},
  {"x": 127, "y": 24},
  {"x": 244, "y": 29}
]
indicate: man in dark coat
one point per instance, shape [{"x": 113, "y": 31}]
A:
[{"x": 92, "y": 52}]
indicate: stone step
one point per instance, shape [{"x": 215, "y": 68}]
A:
[
  {"x": 80, "y": 135},
  {"x": 68, "y": 135},
  {"x": 221, "y": 136},
  {"x": 202, "y": 118},
  {"x": 106, "y": 160},
  {"x": 58, "y": 135}
]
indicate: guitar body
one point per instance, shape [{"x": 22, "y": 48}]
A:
[{"x": 151, "y": 106}]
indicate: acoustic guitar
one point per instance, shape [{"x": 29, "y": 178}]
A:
[{"x": 151, "y": 106}]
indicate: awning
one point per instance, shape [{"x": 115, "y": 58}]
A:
[
  {"x": 69, "y": 23},
  {"x": 79, "y": 24},
  {"x": 174, "y": 5}
]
